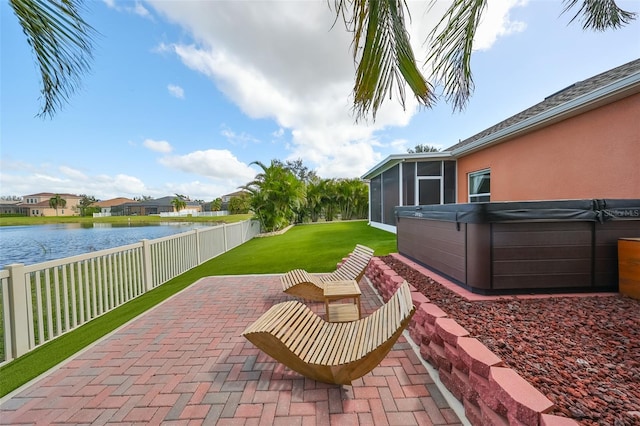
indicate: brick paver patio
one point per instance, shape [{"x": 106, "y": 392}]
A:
[{"x": 185, "y": 362}]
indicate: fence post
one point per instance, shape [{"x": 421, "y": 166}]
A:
[
  {"x": 19, "y": 310},
  {"x": 147, "y": 265},
  {"x": 224, "y": 233},
  {"x": 198, "y": 259}
]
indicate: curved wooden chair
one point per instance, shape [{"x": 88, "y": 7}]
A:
[
  {"x": 327, "y": 352},
  {"x": 300, "y": 283}
]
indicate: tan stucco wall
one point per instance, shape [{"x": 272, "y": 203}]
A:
[{"x": 592, "y": 155}]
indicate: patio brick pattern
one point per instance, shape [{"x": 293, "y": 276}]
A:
[{"x": 185, "y": 362}]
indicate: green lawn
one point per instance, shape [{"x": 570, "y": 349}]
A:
[{"x": 316, "y": 248}]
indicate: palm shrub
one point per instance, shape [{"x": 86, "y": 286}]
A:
[
  {"x": 239, "y": 204},
  {"x": 330, "y": 199},
  {"x": 351, "y": 196},
  {"x": 314, "y": 199},
  {"x": 276, "y": 195}
]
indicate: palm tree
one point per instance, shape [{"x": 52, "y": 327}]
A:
[
  {"x": 57, "y": 201},
  {"x": 422, "y": 148},
  {"x": 179, "y": 203},
  {"x": 62, "y": 44},
  {"x": 216, "y": 205},
  {"x": 314, "y": 198},
  {"x": 384, "y": 57},
  {"x": 330, "y": 206},
  {"x": 276, "y": 196},
  {"x": 240, "y": 204},
  {"x": 353, "y": 199}
]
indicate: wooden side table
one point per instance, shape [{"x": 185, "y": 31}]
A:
[
  {"x": 629, "y": 267},
  {"x": 342, "y": 312}
]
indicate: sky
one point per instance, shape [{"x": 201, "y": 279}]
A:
[{"x": 183, "y": 96}]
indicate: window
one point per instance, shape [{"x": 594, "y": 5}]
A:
[
  {"x": 375, "y": 194},
  {"x": 429, "y": 191},
  {"x": 390, "y": 195},
  {"x": 480, "y": 186}
]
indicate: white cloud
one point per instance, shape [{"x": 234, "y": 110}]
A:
[
  {"x": 288, "y": 64},
  {"x": 496, "y": 22},
  {"x": 140, "y": 10},
  {"x": 158, "y": 146},
  {"x": 399, "y": 145},
  {"x": 24, "y": 179},
  {"x": 137, "y": 8},
  {"x": 176, "y": 91},
  {"x": 72, "y": 173},
  {"x": 213, "y": 163},
  {"x": 241, "y": 138}
]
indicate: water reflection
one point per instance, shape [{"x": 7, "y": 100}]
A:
[{"x": 40, "y": 243}]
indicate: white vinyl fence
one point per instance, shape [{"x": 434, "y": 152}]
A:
[{"x": 43, "y": 301}]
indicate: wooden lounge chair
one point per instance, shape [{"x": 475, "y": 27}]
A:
[
  {"x": 301, "y": 283},
  {"x": 327, "y": 352}
]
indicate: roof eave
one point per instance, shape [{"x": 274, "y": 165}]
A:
[
  {"x": 394, "y": 159},
  {"x": 605, "y": 95}
]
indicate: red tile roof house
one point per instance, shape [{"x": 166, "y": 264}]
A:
[
  {"x": 38, "y": 205},
  {"x": 536, "y": 202}
]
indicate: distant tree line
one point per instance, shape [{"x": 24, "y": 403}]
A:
[{"x": 287, "y": 193}]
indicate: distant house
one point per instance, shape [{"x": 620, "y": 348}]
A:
[
  {"x": 38, "y": 205},
  {"x": 582, "y": 142},
  {"x": 152, "y": 207},
  {"x": 226, "y": 198},
  {"x": 107, "y": 205},
  {"x": 10, "y": 207}
]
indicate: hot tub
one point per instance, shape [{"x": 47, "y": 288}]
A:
[{"x": 521, "y": 247}]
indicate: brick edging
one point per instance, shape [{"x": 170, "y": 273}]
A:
[{"x": 490, "y": 392}]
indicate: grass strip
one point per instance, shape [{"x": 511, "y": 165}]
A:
[{"x": 316, "y": 248}]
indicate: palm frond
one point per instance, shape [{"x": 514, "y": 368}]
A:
[
  {"x": 62, "y": 44},
  {"x": 383, "y": 54},
  {"x": 451, "y": 44},
  {"x": 599, "y": 15}
]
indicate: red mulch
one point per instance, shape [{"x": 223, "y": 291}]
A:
[{"x": 583, "y": 353}]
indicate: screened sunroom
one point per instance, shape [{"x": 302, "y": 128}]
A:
[{"x": 409, "y": 180}]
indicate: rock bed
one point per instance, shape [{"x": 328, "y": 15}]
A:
[{"x": 583, "y": 353}]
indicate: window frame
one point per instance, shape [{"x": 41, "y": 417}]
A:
[{"x": 478, "y": 197}]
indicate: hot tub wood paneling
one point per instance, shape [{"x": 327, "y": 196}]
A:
[
  {"x": 444, "y": 243},
  {"x": 521, "y": 247},
  {"x": 542, "y": 255}
]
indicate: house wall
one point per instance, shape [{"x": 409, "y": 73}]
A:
[{"x": 592, "y": 155}]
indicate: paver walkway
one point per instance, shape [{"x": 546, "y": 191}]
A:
[{"x": 185, "y": 362}]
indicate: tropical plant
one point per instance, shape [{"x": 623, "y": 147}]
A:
[
  {"x": 85, "y": 205},
  {"x": 301, "y": 171},
  {"x": 422, "y": 148},
  {"x": 384, "y": 57},
  {"x": 62, "y": 44},
  {"x": 179, "y": 202},
  {"x": 240, "y": 204},
  {"x": 352, "y": 195},
  {"x": 216, "y": 205},
  {"x": 57, "y": 201},
  {"x": 330, "y": 207},
  {"x": 276, "y": 194},
  {"x": 315, "y": 199}
]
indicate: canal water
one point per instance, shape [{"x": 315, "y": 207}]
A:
[{"x": 40, "y": 243}]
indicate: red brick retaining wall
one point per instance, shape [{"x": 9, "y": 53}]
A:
[{"x": 491, "y": 393}]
